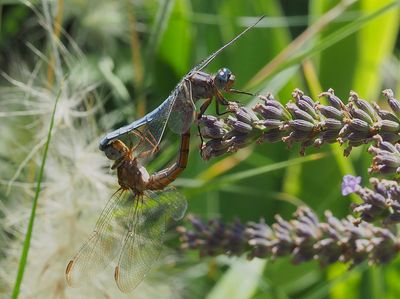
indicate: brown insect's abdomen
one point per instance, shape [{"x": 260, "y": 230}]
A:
[{"x": 163, "y": 178}]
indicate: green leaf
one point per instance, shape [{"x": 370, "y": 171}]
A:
[
  {"x": 175, "y": 43},
  {"x": 240, "y": 281},
  {"x": 375, "y": 44}
]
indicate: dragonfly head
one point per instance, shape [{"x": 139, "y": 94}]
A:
[
  {"x": 116, "y": 151},
  {"x": 224, "y": 79}
]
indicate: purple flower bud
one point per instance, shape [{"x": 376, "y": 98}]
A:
[
  {"x": 213, "y": 132},
  {"x": 270, "y": 101},
  {"x": 358, "y": 138},
  {"x": 239, "y": 141},
  {"x": 308, "y": 100},
  {"x": 271, "y": 112},
  {"x": 300, "y": 114},
  {"x": 299, "y": 95},
  {"x": 384, "y": 114},
  {"x": 362, "y": 104},
  {"x": 208, "y": 120},
  {"x": 214, "y": 148},
  {"x": 390, "y": 137},
  {"x": 388, "y": 159},
  {"x": 389, "y": 126},
  {"x": 305, "y": 106},
  {"x": 246, "y": 115},
  {"x": 330, "y": 112},
  {"x": 332, "y": 124},
  {"x": 271, "y": 136},
  {"x": 217, "y": 144},
  {"x": 362, "y": 115},
  {"x": 333, "y": 100},
  {"x": 386, "y": 146},
  {"x": 350, "y": 184},
  {"x": 359, "y": 125},
  {"x": 301, "y": 125},
  {"x": 270, "y": 123},
  {"x": 238, "y": 125},
  {"x": 395, "y": 106}
]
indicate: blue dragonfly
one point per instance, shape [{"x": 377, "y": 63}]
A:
[{"x": 178, "y": 110}]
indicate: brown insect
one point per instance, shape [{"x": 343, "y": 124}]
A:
[{"x": 138, "y": 210}]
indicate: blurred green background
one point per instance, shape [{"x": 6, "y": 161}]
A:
[{"x": 120, "y": 60}]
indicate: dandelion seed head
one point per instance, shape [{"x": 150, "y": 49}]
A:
[{"x": 77, "y": 184}]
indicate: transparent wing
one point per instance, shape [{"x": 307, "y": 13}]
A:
[
  {"x": 104, "y": 243},
  {"x": 143, "y": 242},
  {"x": 174, "y": 201},
  {"x": 183, "y": 110},
  {"x": 145, "y": 133}
]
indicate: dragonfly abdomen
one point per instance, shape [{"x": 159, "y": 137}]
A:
[{"x": 163, "y": 178}]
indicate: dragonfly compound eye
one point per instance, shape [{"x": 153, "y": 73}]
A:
[
  {"x": 115, "y": 150},
  {"x": 224, "y": 79}
]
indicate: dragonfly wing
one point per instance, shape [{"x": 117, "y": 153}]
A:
[
  {"x": 183, "y": 110},
  {"x": 102, "y": 246},
  {"x": 145, "y": 133},
  {"x": 174, "y": 201},
  {"x": 144, "y": 241},
  {"x": 142, "y": 246}
]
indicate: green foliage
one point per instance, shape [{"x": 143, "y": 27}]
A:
[{"x": 356, "y": 50}]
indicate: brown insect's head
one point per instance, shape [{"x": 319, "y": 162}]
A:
[
  {"x": 224, "y": 79},
  {"x": 116, "y": 150}
]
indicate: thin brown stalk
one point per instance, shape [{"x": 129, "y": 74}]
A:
[{"x": 56, "y": 33}]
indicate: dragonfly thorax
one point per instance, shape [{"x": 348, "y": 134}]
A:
[
  {"x": 224, "y": 79},
  {"x": 132, "y": 175}
]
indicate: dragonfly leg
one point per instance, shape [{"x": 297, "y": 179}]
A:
[
  {"x": 143, "y": 138},
  {"x": 201, "y": 140},
  {"x": 233, "y": 90},
  {"x": 223, "y": 101},
  {"x": 203, "y": 109},
  {"x": 146, "y": 153}
]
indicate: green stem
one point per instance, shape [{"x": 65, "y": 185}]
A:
[{"x": 27, "y": 242}]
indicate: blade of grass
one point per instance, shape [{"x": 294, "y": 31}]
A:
[
  {"x": 28, "y": 235},
  {"x": 244, "y": 275},
  {"x": 156, "y": 34},
  {"x": 315, "y": 86},
  {"x": 272, "y": 66},
  {"x": 323, "y": 289},
  {"x": 378, "y": 37},
  {"x": 338, "y": 35},
  {"x": 235, "y": 177},
  {"x": 325, "y": 43},
  {"x": 202, "y": 185}
]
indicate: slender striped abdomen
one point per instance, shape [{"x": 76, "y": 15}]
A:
[{"x": 163, "y": 178}]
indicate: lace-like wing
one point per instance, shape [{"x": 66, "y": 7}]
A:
[
  {"x": 177, "y": 110},
  {"x": 143, "y": 242},
  {"x": 104, "y": 243},
  {"x": 183, "y": 110}
]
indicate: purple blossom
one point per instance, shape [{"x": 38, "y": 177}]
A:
[{"x": 350, "y": 184}]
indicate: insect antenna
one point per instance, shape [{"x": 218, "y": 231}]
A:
[{"x": 210, "y": 58}]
